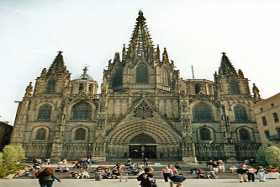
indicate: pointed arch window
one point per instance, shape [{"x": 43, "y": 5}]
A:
[
  {"x": 51, "y": 86},
  {"x": 234, "y": 87},
  {"x": 80, "y": 134},
  {"x": 244, "y": 135},
  {"x": 117, "y": 77},
  {"x": 202, "y": 112},
  {"x": 205, "y": 134},
  {"x": 142, "y": 74},
  {"x": 81, "y": 111},
  {"x": 240, "y": 114},
  {"x": 41, "y": 134},
  {"x": 44, "y": 113},
  {"x": 165, "y": 77}
]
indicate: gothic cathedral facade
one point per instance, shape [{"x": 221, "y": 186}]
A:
[{"x": 144, "y": 109}]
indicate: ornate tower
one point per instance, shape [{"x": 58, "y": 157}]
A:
[
  {"x": 140, "y": 69},
  {"x": 235, "y": 101},
  {"x": 54, "y": 80}
]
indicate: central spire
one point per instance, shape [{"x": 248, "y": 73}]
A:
[
  {"x": 226, "y": 68},
  {"x": 141, "y": 43}
]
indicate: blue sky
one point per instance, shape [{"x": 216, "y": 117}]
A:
[{"x": 91, "y": 31}]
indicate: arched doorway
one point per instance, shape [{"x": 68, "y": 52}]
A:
[{"x": 142, "y": 146}]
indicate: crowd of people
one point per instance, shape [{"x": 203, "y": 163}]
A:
[
  {"x": 249, "y": 173},
  {"x": 82, "y": 169}
]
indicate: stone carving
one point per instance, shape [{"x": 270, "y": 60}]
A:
[
  {"x": 256, "y": 92},
  {"x": 29, "y": 90},
  {"x": 143, "y": 110}
]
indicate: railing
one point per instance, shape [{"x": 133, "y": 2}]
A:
[
  {"x": 210, "y": 151},
  {"x": 74, "y": 151},
  {"x": 216, "y": 151},
  {"x": 37, "y": 150},
  {"x": 245, "y": 151}
]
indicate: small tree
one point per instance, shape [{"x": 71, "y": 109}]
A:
[
  {"x": 272, "y": 156},
  {"x": 10, "y": 159},
  {"x": 269, "y": 156}
]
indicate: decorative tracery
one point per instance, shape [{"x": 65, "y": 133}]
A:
[{"x": 143, "y": 110}]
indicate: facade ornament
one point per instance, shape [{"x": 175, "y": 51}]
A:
[
  {"x": 256, "y": 92},
  {"x": 29, "y": 90},
  {"x": 143, "y": 110}
]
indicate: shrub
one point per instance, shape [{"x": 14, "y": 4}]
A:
[
  {"x": 10, "y": 159},
  {"x": 261, "y": 156},
  {"x": 269, "y": 156}
]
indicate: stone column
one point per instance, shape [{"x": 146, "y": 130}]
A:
[
  {"x": 188, "y": 147},
  {"x": 56, "y": 153},
  {"x": 57, "y": 146}
]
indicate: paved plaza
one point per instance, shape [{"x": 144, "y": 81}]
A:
[{"x": 134, "y": 183}]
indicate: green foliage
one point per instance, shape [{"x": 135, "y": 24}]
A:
[
  {"x": 261, "y": 156},
  {"x": 10, "y": 159},
  {"x": 269, "y": 156},
  {"x": 272, "y": 156}
]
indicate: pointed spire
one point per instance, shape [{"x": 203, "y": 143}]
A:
[
  {"x": 44, "y": 72},
  {"x": 123, "y": 52},
  {"x": 158, "y": 53},
  {"x": 226, "y": 68},
  {"x": 57, "y": 65},
  {"x": 140, "y": 42},
  {"x": 117, "y": 58},
  {"x": 165, "y": 58},
  {"x": 215, "y": 76}
]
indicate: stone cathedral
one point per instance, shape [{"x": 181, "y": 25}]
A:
[{"x": 144, "y": 109}]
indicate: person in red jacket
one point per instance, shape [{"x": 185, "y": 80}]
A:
[{"x": 46, "y": 177}]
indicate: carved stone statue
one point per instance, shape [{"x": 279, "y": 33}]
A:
[
  {"x": 29, "y": 90},
  {"x": 256, "y": 92}
]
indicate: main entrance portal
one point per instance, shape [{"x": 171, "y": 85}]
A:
[
  {"x": 142, "y": 146},
  {"x": 142, "y": 151}
]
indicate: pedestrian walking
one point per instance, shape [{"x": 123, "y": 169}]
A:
[
  {"x": 242, "y": 172},
  {"x": 46, "y": 177},
  {"x": 177, "y": 179},
  {"x": 166, "y": 172},
  {"x": 123, "y": 173},
  {"x": 261, "y": 174},
  {"x": 147, "y": 178},
  {"x": 251, "y": 174}
]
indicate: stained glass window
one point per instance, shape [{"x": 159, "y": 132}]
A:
[
  {"x": 44, "y": 113},
  {"x": 240, "y": 114},
  {"x": 234, "y": 87},
  {"x": 51, "y": 86},
  {"x": 117, "y": 77},
  {"x": 165, "y": 77},
  {"x": 41, "y": 134},
  {"x": 202, "y": 112},
  {"x": 142, "y": 74},
  {"x": 81, "y": 111}
]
